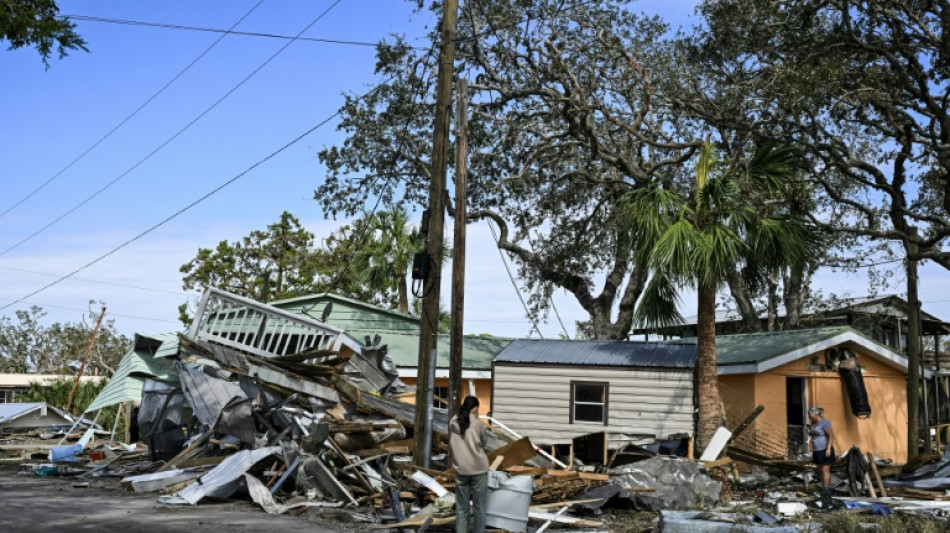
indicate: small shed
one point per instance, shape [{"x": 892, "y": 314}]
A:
[{"x": 555, "y": 390}]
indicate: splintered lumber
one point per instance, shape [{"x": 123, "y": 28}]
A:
[
  {"x": 496, "y": 462},
  {"x": 725, "y": 461},
  {"x": 187, "y": 452},
  {"x": 271, "y": 376},
  {"x": 877, "y": 475},
  {"x": 417, "y": 521},
  {"x": 744, "y": 425},
  {"x": 521, "y": 470}
]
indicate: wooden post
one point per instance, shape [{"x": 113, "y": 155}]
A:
[
  {"x": 82, "y": 367},
  {"x": 458, "y": 251},
  {"x": 913, "y": 354},
  {"x": 429, "y": 323}
]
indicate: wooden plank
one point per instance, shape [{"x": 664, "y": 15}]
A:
[
  {"x": 521, "y": 470},
  {"x": 294, "y": 383},
  {"x": 515, "y": 453},
  {"x": 877, "y": 475}
]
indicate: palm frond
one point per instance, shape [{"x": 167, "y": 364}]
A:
[{"x": 658, "y": 305}]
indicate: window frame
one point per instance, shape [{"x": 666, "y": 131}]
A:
[{"x": 606, "y": 404}]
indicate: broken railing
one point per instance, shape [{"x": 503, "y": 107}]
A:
[{"x": 260, "y": 329}]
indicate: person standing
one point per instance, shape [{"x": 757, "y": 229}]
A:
[
  {"x": 823, "y": 452},
  {"x": 467, "y": 439}
]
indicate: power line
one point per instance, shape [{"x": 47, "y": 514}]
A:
[
  {"x": 513, "y": 282},
  {"x": 101, "y": 282},
  {"x": 173, "y": 137},
  {"x": 187, "y": 207},
  {"x": 84, "y": 310},
  {"x": 229, "y": 31},
  {"x": 129, "y": 117}
]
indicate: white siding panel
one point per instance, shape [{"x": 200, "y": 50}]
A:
[{"x": 535, "y": 401}]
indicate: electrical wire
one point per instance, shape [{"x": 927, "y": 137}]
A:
[
  {"x": 101, "y": 282},
  {"x": 511, "y": 276},
  {"x": 230, "y": 31},
  {"x": 186, "y": 208},
  {"x": 129, "y": 117},
  {"x": 153, "y": 319},
  {"x": 173, "y": 137}
]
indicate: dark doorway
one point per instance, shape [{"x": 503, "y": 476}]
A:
[{"x": 795, "y": 413}]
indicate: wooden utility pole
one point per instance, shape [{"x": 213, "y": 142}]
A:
[
  {"x": 913, "y": 354},
  {"x": 82, "y": 367},
  {"x": 429, "y": 330},
  {"x": 458, "y": 250}
]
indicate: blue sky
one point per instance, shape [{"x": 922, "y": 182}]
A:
[{"x": 52, "y": 116}]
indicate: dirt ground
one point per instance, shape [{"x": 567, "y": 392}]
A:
[{"x": 38, "y": 504}]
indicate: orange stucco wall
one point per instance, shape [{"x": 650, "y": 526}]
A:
[
  {"x": 884, "y": 433},
  {"x": 482, "y": 391}
]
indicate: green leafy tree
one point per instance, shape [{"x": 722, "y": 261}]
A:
[
  {"x": 565, "y": 119},
  {"x": 699, "y": 236},
  {"x": 29, "y": 346},
  {"x": 266, "y": 265},
  {"x": 862, "y": 88},
  {"x": 36, "y": 23}
]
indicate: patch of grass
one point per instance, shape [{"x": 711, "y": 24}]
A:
[
  {"x": 910, "y": 523},
  {"x": 844, "y": 522}
]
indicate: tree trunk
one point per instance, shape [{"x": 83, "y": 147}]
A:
[
  {"x": 706, "y": 380},
  {"x": 772, "y": 315},
  {"x": 796, "y": 286},
  {"x": 740, "y": 292},
  {"x": 403, "y": 294}
]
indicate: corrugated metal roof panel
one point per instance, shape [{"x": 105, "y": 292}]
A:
[{"x": 600, "y": 353}]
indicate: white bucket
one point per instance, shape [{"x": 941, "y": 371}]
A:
[{"x": 507, "y": 505}]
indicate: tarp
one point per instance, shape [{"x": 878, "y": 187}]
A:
[{"x": 137, "y": 365}]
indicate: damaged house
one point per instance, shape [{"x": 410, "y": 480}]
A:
[
  {"x": 556, "y": 390},
  {"x": 860, "y": 383},
  {"x": 400, "y": 333}
]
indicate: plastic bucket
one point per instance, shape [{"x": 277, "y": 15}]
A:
[{"x": 507, "y": 505}]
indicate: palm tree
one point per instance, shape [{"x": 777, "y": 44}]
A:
[
  {"x": 385, "y": 257},
  {"x": 698, "y": 238}
]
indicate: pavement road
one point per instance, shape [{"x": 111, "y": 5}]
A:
[{"x": 31, "y": 504}]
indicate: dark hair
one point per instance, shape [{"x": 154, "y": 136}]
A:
[{"x": 465, "y": 411}]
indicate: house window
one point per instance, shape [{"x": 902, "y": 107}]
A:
[
  {"x": 589, "y": 402},
  {"x": 440, "y": 397}
]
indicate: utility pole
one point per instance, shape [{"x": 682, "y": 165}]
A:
[
  {"x": 458, "y": 250},
  {"x": 429, "y": 330},
  {"x": 82, "y": 367},
  {"x": 913, "y": 353}
]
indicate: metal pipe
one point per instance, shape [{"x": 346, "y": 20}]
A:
[{"x": 541, "y": 452}]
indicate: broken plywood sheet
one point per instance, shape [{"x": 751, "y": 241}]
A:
[
  {"x": 291, "y": 382},
  {"x": 221, "y": 481}
]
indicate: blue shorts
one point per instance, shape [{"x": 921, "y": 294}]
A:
[{"x": 819, "y": 457}]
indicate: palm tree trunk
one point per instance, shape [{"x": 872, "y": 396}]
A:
[
  {"x": 707, "y": 381},
  {"x": 403, "y": 294}
]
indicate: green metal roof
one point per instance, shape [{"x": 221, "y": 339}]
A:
[
  {"x": 141, "y": 362},
  {"x": 477, "y": 352},
  {"x": 769, "y": 349}
]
